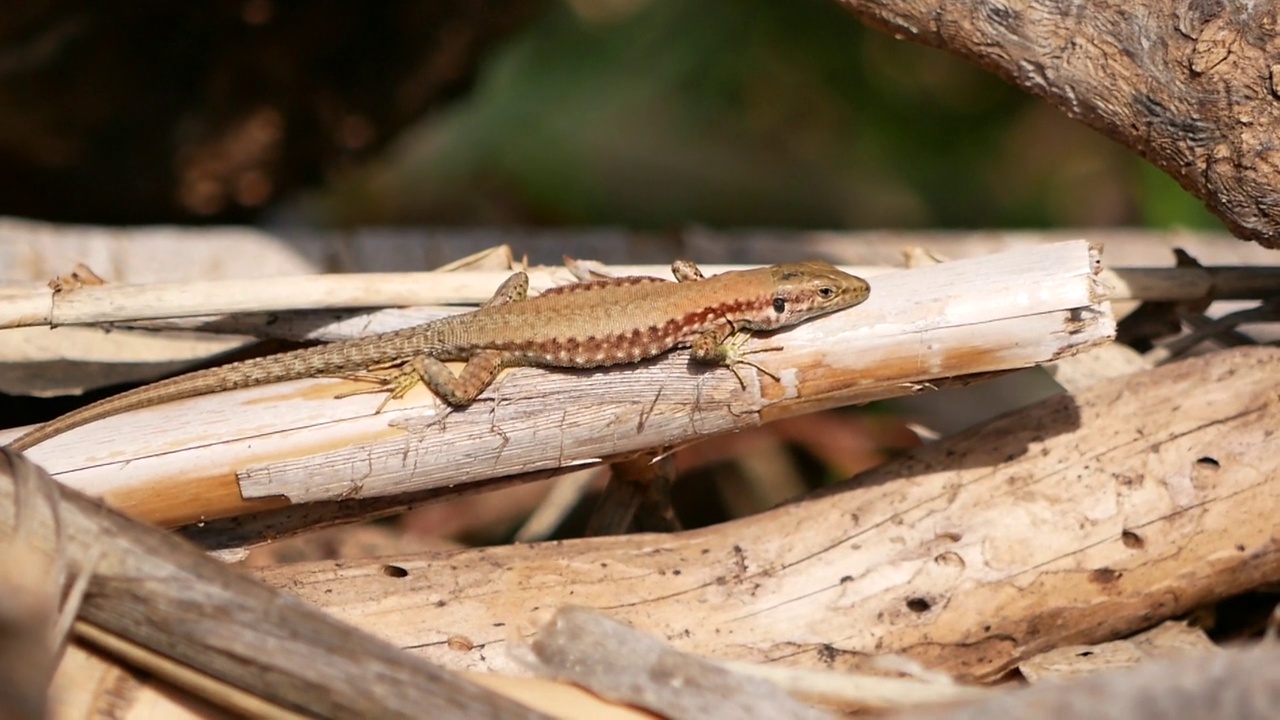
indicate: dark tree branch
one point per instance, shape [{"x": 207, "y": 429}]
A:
[{"x": 1191, "y": 85}]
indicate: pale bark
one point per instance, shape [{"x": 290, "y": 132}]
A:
[
  {"x": 1078, "y": 520},
  {"x": 177, "y": 613},
  {"x": 973, "y": 316}
]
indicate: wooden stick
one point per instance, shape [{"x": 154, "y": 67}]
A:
[
  {"x": 96, "y": 304},
  {"x": 161, "y": 464},
  {"x": 200, "y": 302},
  {"x": 1239, "y": 682},
  {"x": 163, "y": 596},
  {"x": 1078, "y": 520}
]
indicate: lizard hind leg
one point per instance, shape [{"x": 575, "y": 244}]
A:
[
  {"x": 457, "y": 390},
  {"x": 513, "y": 289},
  {"x": 407, "y": 375},
  {"x": 461, "y": 389},
  {"x": 396, "y": 384}
]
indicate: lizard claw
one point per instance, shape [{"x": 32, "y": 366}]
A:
[
  {"x": 734, "y": 355},
  {"x": 396, "y": 385}
]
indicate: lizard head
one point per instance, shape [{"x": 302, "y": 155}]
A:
[{"x": 806, "y": 290}]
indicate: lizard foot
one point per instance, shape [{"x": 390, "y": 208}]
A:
[
  {"x": 733, "y": 355},
  {"x": 396, "y": 384}
]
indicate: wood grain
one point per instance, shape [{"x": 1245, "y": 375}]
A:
[
  {"x": 1190, "y": 86},
  {"x": 1077, "y": 520},
  {"x": 154, "y": 591},
  {"x": 295, "y": 441}
]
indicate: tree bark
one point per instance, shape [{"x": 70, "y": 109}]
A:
[{"x": 1193, "y": 86}]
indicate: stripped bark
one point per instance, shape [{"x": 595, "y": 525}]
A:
[{"x": 1078, "y": 520}]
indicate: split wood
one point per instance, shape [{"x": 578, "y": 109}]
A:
[
  {"x": 181, "y": 615},
  {"x": 287, "y": 447},
  {"x": 1080, "y": 519}
]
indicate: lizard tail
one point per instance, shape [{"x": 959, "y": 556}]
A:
[{"x": 255, "y": 371}]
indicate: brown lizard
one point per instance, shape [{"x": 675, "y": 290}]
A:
[{"x": 583, "y": 325}]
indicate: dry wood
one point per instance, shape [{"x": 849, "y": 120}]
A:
[
  {"x": 231, "y": 536},
  {"x": 28, "y": 608},
  {"x": 197, "y": 305},
  {"x": 1001, "y": 312},
  {"x": 1190, "y": 86},
  {"x": 616, "y": 662},
  {"x": 561, "y": 701},
  {"x": 567, "y": 491},
  {"x": 862, "y": 691},
  {"x": 178, "y": 609},
  {"x": 92, "y": 684},
  {"x": 640, "y": 483},
  {"x": 1078, "y": 520},
  {"x": 114, "y": 303},
  {"x": 201, "y": 300},
  {"x": 1167, "y": 640},
  {"x": 34, "y": 252},
  {"x": 1239, "y": 684},
  {"x": 68, "y": 360},
  {"x": 1123, "y": 246}
]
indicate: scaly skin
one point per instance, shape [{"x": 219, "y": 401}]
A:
[{"x": 585, "y": 325}]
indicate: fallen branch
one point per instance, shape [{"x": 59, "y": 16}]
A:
[
  {"x": 182, "y": 616},
  {"x": 984, "y": 315},
  {"x": 1078, "y": 520}
]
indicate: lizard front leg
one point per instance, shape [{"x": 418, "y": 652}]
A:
[
  {"x": 724, "y": 347},
  {"x": 720, "y": 346},
  {"x": 686, "y": 271},
  {"x": 435, "y": 374}
]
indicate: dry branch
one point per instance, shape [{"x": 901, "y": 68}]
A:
[
  {"x": 616, "y": 662},
  {"x": 1001, "y": 312},
  {"x": 67, "y": 360},
  {"x": 115, "y": 303},
  {"x": 1077, "y": 520},
  {"x": 1240, "y": 684},
  {"x": 33, "y": 252},
  {"x": 164, "y": 599},
  {"x": 1190, "y": 86},
  {"x": 1166, "y": 641},
  {"x": 199, "y": 306}
]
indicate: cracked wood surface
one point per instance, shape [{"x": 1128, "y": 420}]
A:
[
  {"x": 192, "y": 620},
  {"x": 291, "y": 445},
  {"x": 1077, "y": 520}
]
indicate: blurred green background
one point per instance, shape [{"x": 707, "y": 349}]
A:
[{"x": 658, "y": 113}]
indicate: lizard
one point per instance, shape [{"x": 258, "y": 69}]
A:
[{"x": 592, "y": 324}]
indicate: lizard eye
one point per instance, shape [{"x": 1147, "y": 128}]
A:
[
  {"x": 779, "y": 305},
  {"x": 826, "y": 292}
]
